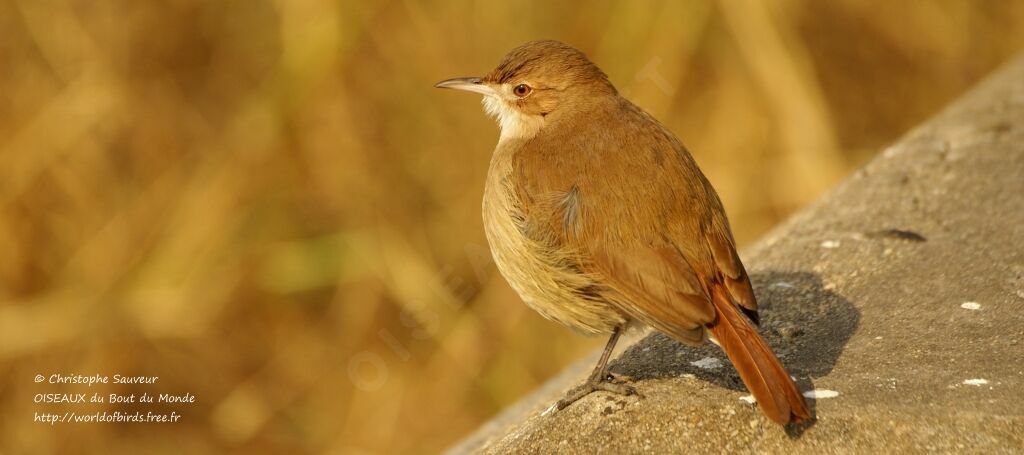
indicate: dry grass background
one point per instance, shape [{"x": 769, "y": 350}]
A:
[{"x": 267, "y": 205}]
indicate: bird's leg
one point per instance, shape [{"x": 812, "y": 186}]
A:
[
  {"x": 599, "y": 378},
  {"x": 601, "y": 369}
]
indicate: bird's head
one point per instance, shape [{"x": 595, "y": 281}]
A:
[{"x": 536, "y": 84}]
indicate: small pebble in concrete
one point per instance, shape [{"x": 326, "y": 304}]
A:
[
  {"x": 970, "y": 306},
  {"x": 749, "y": 399},
  {"x": 818, "y": 394},
  {"x": 707, "y": 363},
  {"x": 830, "y": 244},
  {"x": 789, "y": 331},
  {"x": 975, "y": 382}
]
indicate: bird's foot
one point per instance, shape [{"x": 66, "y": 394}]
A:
[{"x": 610, "y": 383}]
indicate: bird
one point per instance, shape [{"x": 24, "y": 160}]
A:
[{"x": 600, "y": 219}]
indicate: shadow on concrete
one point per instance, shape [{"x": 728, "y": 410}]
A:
[{"x": 806, "y": 325}]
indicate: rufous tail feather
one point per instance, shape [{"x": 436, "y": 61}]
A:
[{"x": 761, "y": 371}]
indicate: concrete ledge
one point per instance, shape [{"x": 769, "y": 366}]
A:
[{"x": 902, "y": 291}]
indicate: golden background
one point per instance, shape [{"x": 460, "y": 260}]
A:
[{"x": 266, "y": 204}]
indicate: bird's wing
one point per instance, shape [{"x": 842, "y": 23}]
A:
[{"x": 630, "y": 203}]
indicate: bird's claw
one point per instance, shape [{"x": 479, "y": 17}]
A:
[{"x": 616, "y": 387}]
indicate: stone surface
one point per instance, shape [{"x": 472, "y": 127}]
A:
[{"x": 902, "y": 291}]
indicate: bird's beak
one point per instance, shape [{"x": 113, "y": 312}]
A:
[{"x": 469, "y": 84}]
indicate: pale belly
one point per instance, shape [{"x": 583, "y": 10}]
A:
[{"x": 542, "y": 276}]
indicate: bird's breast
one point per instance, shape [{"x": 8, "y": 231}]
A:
[{"x": 545, "y": 275}]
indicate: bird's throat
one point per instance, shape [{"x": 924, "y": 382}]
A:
[{"x": 514, "y": 123}]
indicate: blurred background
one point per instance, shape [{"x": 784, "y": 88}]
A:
[{"x": 265, "y": 203}]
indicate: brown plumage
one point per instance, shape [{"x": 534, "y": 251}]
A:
[{"x": 599, "y": 217}]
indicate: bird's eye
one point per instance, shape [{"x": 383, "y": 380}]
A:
[{"x": 521, "y": 90}]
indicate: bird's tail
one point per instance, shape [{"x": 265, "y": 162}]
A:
[{"x": 760, "y": 370}]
